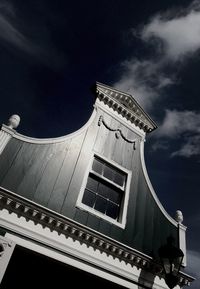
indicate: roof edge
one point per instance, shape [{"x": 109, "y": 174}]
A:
[
  {"x": 146, "y": 176},
  {"x": 126, "y": 105},
  {"x": 13, "y": 133}
]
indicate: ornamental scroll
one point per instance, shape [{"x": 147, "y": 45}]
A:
[
  {"x": 118, "y": 132},
  {"x": 6, "y": 249}
]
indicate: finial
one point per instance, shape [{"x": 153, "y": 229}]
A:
[
  {"x": 179, "y": 216},
  {"x": 14, "y": 121}
]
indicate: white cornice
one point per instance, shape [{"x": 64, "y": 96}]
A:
[
  {"x": 61, "y": 224},
  {"x": 44, "y": 218},
  {"x": 125, "y": 105},
  {"x": 114, "y": 114}
]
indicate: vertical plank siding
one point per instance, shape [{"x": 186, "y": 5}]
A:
[
  {"x": 52, "y": 175},
  {"x": 54, "y": 162},
  {"x": 32, "y": 176},
  {"x": 83, "y": 159},
  {"x": 21, "y": 164},
  {"x": 8, "y": 156}
]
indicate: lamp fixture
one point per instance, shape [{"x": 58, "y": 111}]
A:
[{"x": 171, "y": 258}]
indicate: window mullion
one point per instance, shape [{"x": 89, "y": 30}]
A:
[
  {"x": 105, "y": 190},
  {"x": 107, "y": 180}
]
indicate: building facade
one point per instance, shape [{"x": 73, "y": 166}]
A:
[{"x": 81, "y": 208}]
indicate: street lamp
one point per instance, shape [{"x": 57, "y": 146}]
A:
[{"x": 171, "y": 258}]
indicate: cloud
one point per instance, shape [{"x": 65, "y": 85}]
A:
[
  {"x": 160, "y": 145},
  {"x": 13, "y": 38},
  {"x": 175, "y": 35},
  {"x": 180, "y": 36},
  {"x": 176, "y": 124},
  {"x": 189, "y": 148},
  {"x": 10, "y": 32},
  {"x": 144, "y": 80}
]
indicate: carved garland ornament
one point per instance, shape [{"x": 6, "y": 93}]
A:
[{"x": 118, "y": 132}]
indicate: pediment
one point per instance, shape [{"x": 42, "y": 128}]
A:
[{"x": 125, "y": 105}]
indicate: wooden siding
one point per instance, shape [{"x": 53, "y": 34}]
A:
[{"x": 52, "y": 175}]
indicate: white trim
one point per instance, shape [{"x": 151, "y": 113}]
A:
[
  {"x": 57, "y": 215},
  {"x": 57, "y": 139},
  {"x": 93, "y": 255},
  {"x": 122, "y": 93},
  {"x": 182, "y": 242},
  {"x": 5, "y": 135},
  {"x": 48, "y": 243},
  {"x": 107, "y": 180},
  {"x": 98, "y": 104},
  {"x": 72, "y": 262},
  {"x": 151, "y": 187},
  {"x": 120, "y": 118},
  {"x": 126, "y": 191},
  {"x": 126, "y": 104}
]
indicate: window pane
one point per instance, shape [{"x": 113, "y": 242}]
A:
[
  {"x": 119, "y": 178},
  {"x": 88, "y": 198},
  {"x": 109, "y": 192},
  {"x": 92, "y": 184},
  {"x": 100, "y": 204},
  {"x": 103, "y": 190},
  {"x": 114, "y": 195},
  {"x": 112, "y": 210},
  {"x": 109, "y": 172},
  {"x": 97, "y": 166}
]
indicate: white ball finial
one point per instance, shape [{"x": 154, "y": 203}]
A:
[
  {"x": 14, "y": 121},
  {"x": 179, "y": 216}
]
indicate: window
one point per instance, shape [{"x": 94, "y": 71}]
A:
[{"x": 105, "y": 190}]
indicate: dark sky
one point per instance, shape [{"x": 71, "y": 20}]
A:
[{"x": 52, "y": 52}]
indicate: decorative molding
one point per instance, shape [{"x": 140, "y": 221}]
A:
[
  {"x": 5, "y": 135},
  {"x": 77, "y": 255},
  {"x": 14, "y": 121},
  {"x": 28, "y": 139},
  {"x": 182, "y": 242},
  {"x": 118, "y": 117},
  {"x": 77, "y": 232},
  {"x": 179, "y": 216},
  {"x": 181, "y": 235},
  {"x": 125, "y": 105},
  {"x": 8, "y": 131},
  {"x": 60, "y": 224},
  {"x": 118, "y": 132},
  {"x": 4, "y": 245},
  {"x": 6, "y": 249},
  {"x": 170, "y": 219}
]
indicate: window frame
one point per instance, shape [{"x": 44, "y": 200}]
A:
[{"x": 126, "y": 190}]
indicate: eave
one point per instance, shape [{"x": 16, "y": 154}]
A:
[{"x": 55, "y": 222}]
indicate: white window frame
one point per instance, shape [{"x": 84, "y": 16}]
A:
[{"x": 124, "y": 203}]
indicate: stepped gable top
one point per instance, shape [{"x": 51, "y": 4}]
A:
[{"x": 125, "y": 105}]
